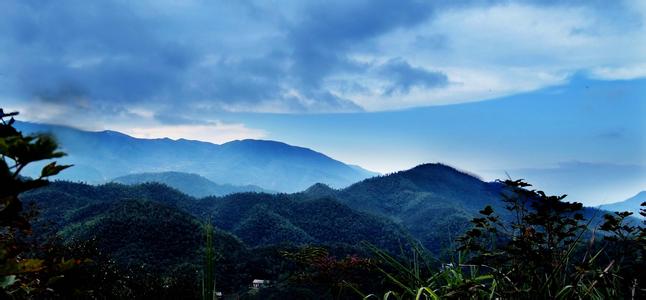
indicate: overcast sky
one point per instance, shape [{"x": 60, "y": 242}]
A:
[{"x": 533, "y": 87}]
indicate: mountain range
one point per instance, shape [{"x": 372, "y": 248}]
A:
[
  {"x": 152, "y": 228},
  {"x": 152, "y": 224},
  {"x": 103, "y": 155}
]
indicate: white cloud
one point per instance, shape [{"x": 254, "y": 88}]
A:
[
  {"x": 138, "y": 122},
  {"x": 507, "y": 49},
  {"x": 466, "y": 85},
  {"x": 620, "y": 73}
]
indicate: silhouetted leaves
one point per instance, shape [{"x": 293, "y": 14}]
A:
[
  {"x": 21, "y": 274},
  {"x": 537, "y": 252}
]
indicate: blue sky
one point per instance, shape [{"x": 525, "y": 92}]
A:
[{"x": 546, "y": 90}]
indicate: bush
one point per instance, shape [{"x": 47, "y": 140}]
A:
[{"x": 544, "y": 248}]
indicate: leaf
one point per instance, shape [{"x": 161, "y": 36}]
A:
[
  {"x": 52, "y": 169},
  {"x": 13, "y": 267},
  {"x": 7, "y": 281},
  {"x": 487, "y": 210},
  {"x": 484, "y": 277},
  {"x": 424, "y": 290}
]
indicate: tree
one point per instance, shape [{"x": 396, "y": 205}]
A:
[
  {"x": 17, "y": 151},
  {"x": 540, "y": 251}
]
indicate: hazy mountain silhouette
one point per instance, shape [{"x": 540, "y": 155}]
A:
[
  {"x": 632, "y": 204},
  {"x": 190, "y": 184},
  {"x": 101, "y": 156}
]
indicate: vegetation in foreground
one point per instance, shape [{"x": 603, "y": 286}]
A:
[
  {"x": 539, "y": 247},
  {"x": 546, "y": 250}
]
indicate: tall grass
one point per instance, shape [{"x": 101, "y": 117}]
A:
[
  {"x": 208, "y": 274},
  {"x": 417, "y": 278}
]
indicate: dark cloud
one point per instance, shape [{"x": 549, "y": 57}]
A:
[
  {"x": 100, "y": 50},
  {"x": 120, "y": 53},
  {"x": 403, "y": 77},
  {"x": 219, "y": 54},
  {"x": 329, "y": 31},
  {"x": 244, "y": 80}
]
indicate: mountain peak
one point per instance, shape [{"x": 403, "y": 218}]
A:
[
  {"x": 320, "y": 190},
  {"x": 259, "y": 142},
  {"x": 114, "y": 133},
  {"x": 435, "y": 167},
  {"x": 438, "y": 170}
]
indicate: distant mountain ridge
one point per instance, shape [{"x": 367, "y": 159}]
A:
[
  {"x": 631, "y": 204},
  {"x": 101, "y": 156},
  {"x": 188, "y": 183}
]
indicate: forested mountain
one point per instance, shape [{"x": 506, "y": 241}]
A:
[
  {"x": 631, "y": 204},
  {"x": 154, "y": 231},
  {"x": 258, "y": 219},
  {"x": 154, "y": 228},
  {"x": 190, "y": 184},
  {"x": 434, "y": 202},
  {"x": 101, "y": 156},
  {"x": 141, "y": 229},
  {"x": 262, "y": 219}
]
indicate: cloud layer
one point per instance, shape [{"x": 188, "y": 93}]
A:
[{"x": 148, "y": 58}]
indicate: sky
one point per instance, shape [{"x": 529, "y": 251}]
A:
[{"x": 550, "y": 91}]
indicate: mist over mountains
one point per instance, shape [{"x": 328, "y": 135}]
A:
[{"x": 102, "y": 156}]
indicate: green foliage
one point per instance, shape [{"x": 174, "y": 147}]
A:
[
  {"x": 533, "y": 254},
  {"x": 625, "y": 247},
  {"x": 416, "y": 276},
  {"x": 16, "y": 152},
  {"x": 539, "y": 253}
]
